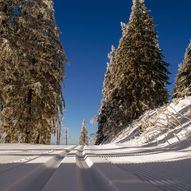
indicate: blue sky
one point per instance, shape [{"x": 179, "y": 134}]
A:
[{"x": 89, "y": 28}]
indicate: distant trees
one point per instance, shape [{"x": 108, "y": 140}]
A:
[
  {"x": 83, "y": 140},
  {"x": 32, "y": 71},
  {"x": 183, "y": 80},
  {"x": 136, "y": 80}
]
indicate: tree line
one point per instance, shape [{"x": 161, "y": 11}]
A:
[
  {"x": 137, "y": 75},
  {"x": 32, "y": 74},
  {"x": 32, "y": 71}
]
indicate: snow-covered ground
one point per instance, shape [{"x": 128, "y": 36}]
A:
[
  {"x": 157, "y": 159},
  {"x": 165, "y": 125},
  {"x": 165, "y": 167},
  {"x": 106, "y": 167}
]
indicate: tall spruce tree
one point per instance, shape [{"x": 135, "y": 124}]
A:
[
  {"x": 139, "y": 74},
  {"x": 183, "y": 80},
  {"x": 31, "y": 95},
  {"x": 83, "y": 140}
]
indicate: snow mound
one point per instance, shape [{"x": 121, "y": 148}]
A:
[{"x": 169, "y": 124}]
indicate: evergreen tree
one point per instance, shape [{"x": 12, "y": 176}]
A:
[
  {"x": 106, "y": 104},
  {"x": 138, "y": 74},
  {"x": 32, "y": 93},
  {"x": 83, "y": 140},
  {"x": 183, "y": 80},
  {"x": 9, "y": 75}
]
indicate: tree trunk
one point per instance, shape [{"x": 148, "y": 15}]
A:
[
  {"x": 58, "y": 132},
  {"x": 28, "y": 127}
]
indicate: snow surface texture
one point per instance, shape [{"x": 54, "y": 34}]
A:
[
  {"x": 158, "y": 159},
  {"x": 164, "y": 125},
  {"x": 109, "y": 167}
]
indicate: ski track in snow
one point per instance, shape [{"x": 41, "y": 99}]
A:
[
  {"x": 109, "y": 167},
  {"x": 152, "y": 161}
]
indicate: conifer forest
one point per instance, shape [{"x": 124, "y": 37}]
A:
[
  {"x": 95, "y": 95},
  {"x": 137, "y": 75},
  {"x": 32, "y": 71}
]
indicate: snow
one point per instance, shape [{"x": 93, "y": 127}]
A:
[
  {"x": 114, "y": 166},
  {"x": 157, "y": 159},
  {"x": 165, "y": 125}
]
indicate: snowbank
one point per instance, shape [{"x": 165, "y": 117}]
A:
[{"x": 169, "y": 125}]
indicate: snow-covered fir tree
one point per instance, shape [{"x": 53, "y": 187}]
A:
[
  {"x": 9, "y": 75},
  {"x": 83, "y": 140},
  {"x": 183, "y": 80},
  {"x": 31, "y": 95},
  {"x": 106, "y": 104},
  {"x": 138, "y": 76}
]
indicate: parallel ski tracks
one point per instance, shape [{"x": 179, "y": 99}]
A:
[
  {"x": 87, "y": 178},
  {"x": 159, "y": 173},
  {"x": 33, "y": 178},
  {"x": 13, "y": 164},
  {"x": 85, "y": 169}
]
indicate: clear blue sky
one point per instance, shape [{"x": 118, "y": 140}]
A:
[{"x": 89, "y": 28}]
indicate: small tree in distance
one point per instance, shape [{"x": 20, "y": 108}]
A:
[{"x": 83, "y": 140}]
